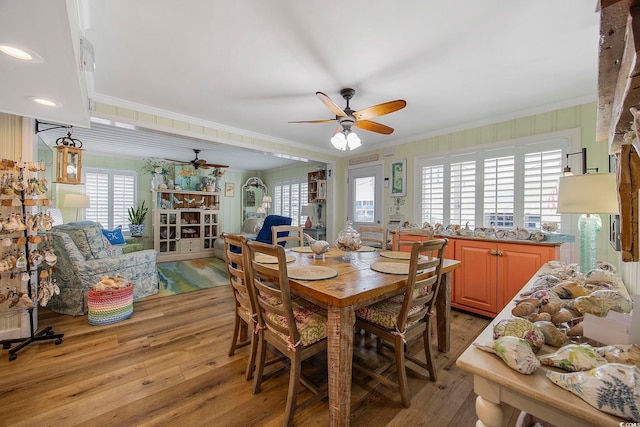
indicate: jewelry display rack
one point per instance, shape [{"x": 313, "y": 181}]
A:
[{"x": 25, "y": 265}]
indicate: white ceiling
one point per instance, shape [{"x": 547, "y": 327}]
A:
[{"x": 252, "y": 66}]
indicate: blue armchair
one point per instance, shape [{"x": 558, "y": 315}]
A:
[{"x": 265, "y": 236}]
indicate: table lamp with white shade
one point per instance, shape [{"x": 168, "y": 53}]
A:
[
  {"x": 77, "y": 201},
  {"x": 588, "y": 195}
]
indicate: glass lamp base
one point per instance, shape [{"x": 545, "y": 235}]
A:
[{"x": 588, "y": 226}]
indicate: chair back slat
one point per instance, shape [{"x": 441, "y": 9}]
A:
[
  {"x": 375, "y": 236},
  {"x": 235, "y": 270},
  {"x": 421, "y": 289},
  {"x": 400, "y": 243},
  {"x": 271, "y": 288},
  {"x": 287, "y": 233}
]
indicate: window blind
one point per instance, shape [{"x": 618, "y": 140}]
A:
[{"x": 111, "y": 193}]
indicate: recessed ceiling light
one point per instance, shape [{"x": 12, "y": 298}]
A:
[
  {"x": 44, "y": 101},
  {"x": 22, "y": 54}
]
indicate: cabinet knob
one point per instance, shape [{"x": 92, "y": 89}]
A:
[
  {"x": 493, "y": 252},
  {"x": 500, "y": 253}
]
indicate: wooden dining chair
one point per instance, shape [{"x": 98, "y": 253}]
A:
[
  {"x": 287, "y": 233},
  {"x": 403, "y": 319},
  {"x": 375, "y": 236},
  {"x": 406, "y": 244},
  {"x": 295, "y": 327},
  {"x": 245, "y": 309}
]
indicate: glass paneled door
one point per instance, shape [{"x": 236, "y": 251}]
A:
[{"x": 364, "y": 195}]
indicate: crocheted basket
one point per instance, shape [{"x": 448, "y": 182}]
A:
[{"x": 112, "y": 306}]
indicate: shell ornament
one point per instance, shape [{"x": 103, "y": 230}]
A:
[
  {"x": 573, "y": 357},
  {"x": 612, "y": 388},
  {"x": 513, "y": 351},
  {"x": 520, "y": 328}
]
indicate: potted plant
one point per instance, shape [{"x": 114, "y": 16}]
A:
[{"x": 136, "y": 219}]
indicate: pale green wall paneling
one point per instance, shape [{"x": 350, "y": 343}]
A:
[{"x": 10, "y": 137}]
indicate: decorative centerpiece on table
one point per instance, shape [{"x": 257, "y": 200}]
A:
[
  {"x": 160, "y": 170},
  {"x": 348, "y": 241},
  {"x": 136, "y": 219}
]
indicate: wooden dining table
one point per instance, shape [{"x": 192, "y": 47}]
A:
[{"x": 357, "y": 285}]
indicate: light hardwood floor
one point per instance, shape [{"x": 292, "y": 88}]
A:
[{"x": 169, "y": 365}]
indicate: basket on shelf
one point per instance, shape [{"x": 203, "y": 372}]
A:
[{"x": 110, "y": 306}]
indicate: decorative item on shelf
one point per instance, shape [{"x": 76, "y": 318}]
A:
[
  {"x": 136, "y": 219},
  {"x": 319, "y": 223},
  {"x": 589, "y": 195},
  {"x": 77, "y": 201},
  {"x": 308, "y": 212},
  {"x": 160, "y": 171},
  {"x": 348, "y": 241}
]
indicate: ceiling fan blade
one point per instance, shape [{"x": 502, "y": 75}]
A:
[
  {"x": 373, "y": 127},
  {"x": 200, "y": 161},
  {"x": 178, "y": 161},
  {"x": 380, "y": 109},
  {"x": 315, "y": 121},
  {"x": 331, "y": 105},
  {"x": 213, "y": 165}
]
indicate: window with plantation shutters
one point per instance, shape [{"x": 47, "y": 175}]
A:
[
  {"x": 111, "y": 194},
  {"x": 541, "y": 172},
  {"x": 289, "y": 197},
  {"x": 505, "y": 185},
  {"x": 499, "y": 192},
  {"x": 462, "y": 193},
  {"x": 432, "y": 189}
]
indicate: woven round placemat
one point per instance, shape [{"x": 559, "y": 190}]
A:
[
  {"x": 268, "y": 259},
  {"x": 366, "y": 249},
  {"x": 396, "y": 255},
  {"x": 391, "y": 267},
  {"x": 302, "y": 249},
  {"x": 311, "y": 272}
]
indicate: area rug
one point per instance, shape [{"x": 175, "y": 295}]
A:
[{"x": 191, "y": 275}]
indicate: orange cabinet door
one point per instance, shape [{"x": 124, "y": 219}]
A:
[
  {"x": 475, "y": 281},
  {"x": 517, "y": 263}
]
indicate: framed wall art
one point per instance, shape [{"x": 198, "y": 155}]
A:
[
  {"x": 229, "y": 189},
  {"x": 399, "y": 178}
]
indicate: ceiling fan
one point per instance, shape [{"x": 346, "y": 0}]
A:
[
  {"x": 198, "y": 163},
  {"x": 360, "y": 119}
]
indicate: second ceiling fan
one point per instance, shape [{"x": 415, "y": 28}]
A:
[
  {"x": 361, "y": 118},
  {"x": 198, "y": 163}
]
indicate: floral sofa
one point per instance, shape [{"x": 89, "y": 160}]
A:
[{"x": 84, "y": 256}]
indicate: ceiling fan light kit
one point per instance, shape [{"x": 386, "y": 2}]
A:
[{"x": 344, "y": 138}]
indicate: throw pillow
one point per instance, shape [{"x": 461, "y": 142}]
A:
[{"x": 114, "y": 236}]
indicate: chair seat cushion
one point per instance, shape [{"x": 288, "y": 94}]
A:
[
  {"x": 311, "y": 321},
  {"x": 385, "y": 313}
]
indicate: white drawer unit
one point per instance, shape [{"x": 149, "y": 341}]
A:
[{"x": 185, "y": 223}]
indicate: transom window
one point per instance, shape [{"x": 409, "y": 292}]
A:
[
  {"x": 514, "y": 185},
  {"x": 111, "y": 193}
]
